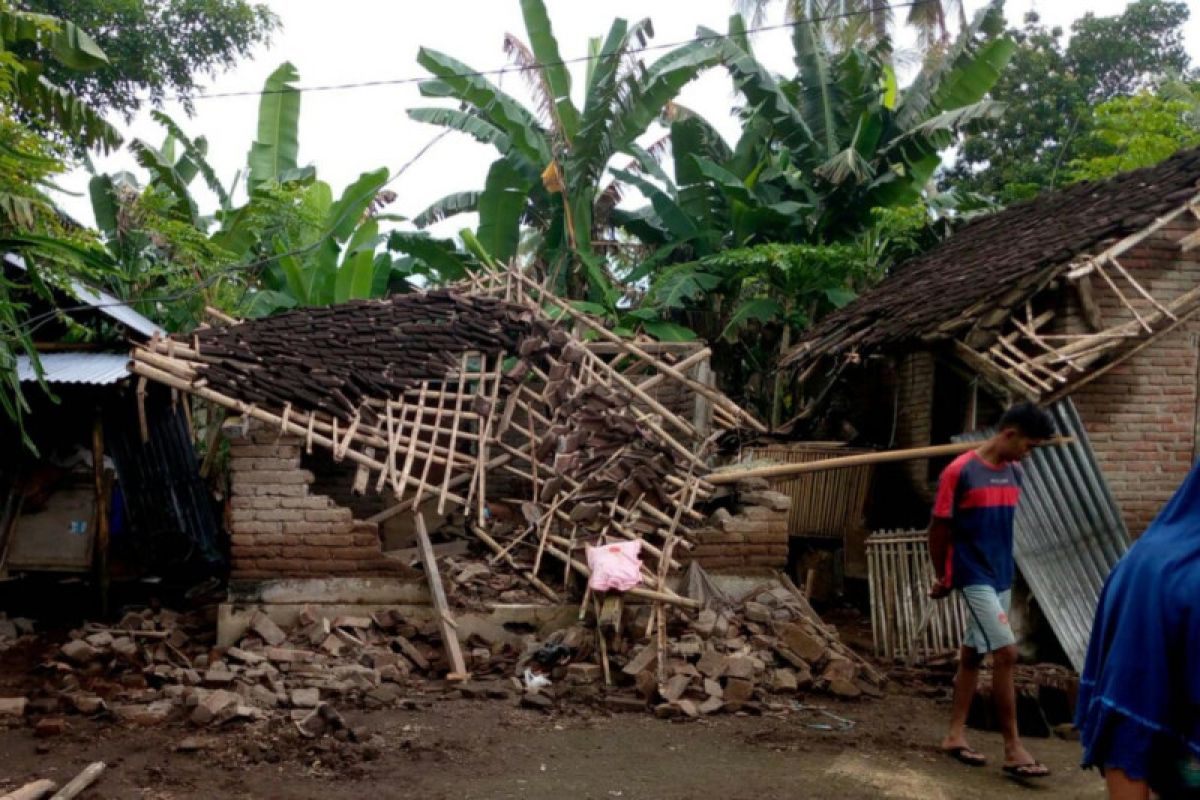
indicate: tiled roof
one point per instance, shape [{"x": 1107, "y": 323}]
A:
[
  {"x": 990, "y": 256},
  {"x": 332, "y": 358}
]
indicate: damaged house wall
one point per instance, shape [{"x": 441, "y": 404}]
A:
[
  {"x": 1141, "y": 415},
  {"x": 279, "y": 528}
]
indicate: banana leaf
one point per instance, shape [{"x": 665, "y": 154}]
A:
[
  {"x": 558, "y": 77},
  {"x": 500, "y": 209},
  {"x": 457, "y": 80},
  {"x": 277, "y": 145}
]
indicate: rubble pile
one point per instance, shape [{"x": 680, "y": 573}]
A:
[
  {"x": 748, "y": 657},
  {"x": 160, "y": 666},
  {"x": 153, "y": 667},
  {"x": 13, "y": 629},
  {"x": 474, "y": 584}
]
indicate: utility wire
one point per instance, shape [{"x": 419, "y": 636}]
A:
[
  {"x": 34, "y": 323},
  {"x": 714, "y": 37}
]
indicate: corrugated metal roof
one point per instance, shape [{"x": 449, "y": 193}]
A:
[
  {"x": 101, "y": 301},
  {"x": 98, "y": 369},
  {"x": 1068, "y": 533}
]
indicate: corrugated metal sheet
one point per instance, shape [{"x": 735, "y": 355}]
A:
[
  {"x": 101, "y": 301},
  {"x": 170, "y": 510},
  {"x": 98, "y": 369},
  {"x": 1069, "y": 532}
]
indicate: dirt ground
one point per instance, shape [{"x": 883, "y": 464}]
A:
[{"x": 455, "y": 748}]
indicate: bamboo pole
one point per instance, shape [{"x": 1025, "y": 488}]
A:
[
  {"x": 882, "y": 457},
  {"x": 458, "y": 401}
]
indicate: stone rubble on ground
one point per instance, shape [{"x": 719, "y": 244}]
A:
[{"x": 156, "y": 667}]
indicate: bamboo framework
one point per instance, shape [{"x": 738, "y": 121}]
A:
[
  {"x": 576, "y": 424},
  {"x": 1038, "y": 354}
]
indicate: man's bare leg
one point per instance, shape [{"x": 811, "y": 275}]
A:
[
  {"x": 1003, "y": 687},
  {"x": 965, "y": 681}
]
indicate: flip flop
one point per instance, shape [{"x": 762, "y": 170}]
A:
[
  {"x": 1025, "y": 771},
  {"x": 965, "y": 755}
]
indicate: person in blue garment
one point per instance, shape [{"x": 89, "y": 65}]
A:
[
  {"x": 1138, "y": 712},
  {"x": 971, "y": 545}
]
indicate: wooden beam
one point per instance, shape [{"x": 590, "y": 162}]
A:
[
  {"x": 446, "y": 624},
  {"x": 992, "y": 373}
]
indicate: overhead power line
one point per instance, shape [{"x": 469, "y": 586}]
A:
[
  {"x": 33, "y": 323},
  {"x": 513, "y": 68}
]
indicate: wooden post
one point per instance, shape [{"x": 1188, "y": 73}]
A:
[{"x": 458, "y": 667}]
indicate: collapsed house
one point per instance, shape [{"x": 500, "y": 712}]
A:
[
  {"x": 1083, "y": 299},
  {"x": 492, "y": 416}
]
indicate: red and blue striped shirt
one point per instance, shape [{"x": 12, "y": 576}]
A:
[{"x": 979, "y": 500}]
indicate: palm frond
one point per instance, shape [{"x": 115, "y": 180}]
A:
[
  {"x": 843, "y": 166},
  {"x": 755, "y": 10},
  {"x": 521, "y": 56},
  {"x": 928, "y": 17}
]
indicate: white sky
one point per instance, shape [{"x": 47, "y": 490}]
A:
[{"x": 345, "y": 133}]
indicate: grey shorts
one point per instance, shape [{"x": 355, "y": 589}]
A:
[{"x": 988, "y": 628}]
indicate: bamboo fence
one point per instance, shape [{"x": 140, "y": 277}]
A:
[
  {"x": 900, "y": 575},
  {"x": 827, "y": 503}
]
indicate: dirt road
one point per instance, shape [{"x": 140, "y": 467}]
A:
[{"x": 488, "y": 750}]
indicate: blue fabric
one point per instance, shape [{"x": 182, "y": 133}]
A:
[
  {"x": 1142, "y": 671},
  {"x": 980, "y": 501}
]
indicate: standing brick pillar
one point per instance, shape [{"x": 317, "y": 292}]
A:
[{"x": 280, "y": 530}]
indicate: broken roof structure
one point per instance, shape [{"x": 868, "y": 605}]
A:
[
  {"x": 429, "y": 394},
  {"x": 995, "y": 292}
]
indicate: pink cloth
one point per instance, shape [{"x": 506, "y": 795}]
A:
[{"x": 615, "y": 566}]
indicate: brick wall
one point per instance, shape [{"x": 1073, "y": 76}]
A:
[
  {"x": 1141, "y": 415},
  {"x": 914, "y": 379},
  {"x": 754, "y": 536},
  {"x": 280, "y": 529}
]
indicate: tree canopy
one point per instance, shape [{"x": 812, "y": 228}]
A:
[
  {"x": 1051, "y": 88},
  {"x": 156, "y": 49}
]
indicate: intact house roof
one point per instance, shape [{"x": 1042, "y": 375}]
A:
[
  {"x": 967, "y": 289},
  {"x": 102, "y": 301},
  {"x": 85, "y": 367}
]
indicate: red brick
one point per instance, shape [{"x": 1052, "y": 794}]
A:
[{"x": 329, "y": 515}]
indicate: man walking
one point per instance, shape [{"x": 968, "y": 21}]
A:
[{"x": 971, "y": 544}]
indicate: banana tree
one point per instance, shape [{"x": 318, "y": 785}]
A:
[
  {"x": 822, "y": 155},
  {"x": 28, "y": 219},
  {"x": 551, "y": 173}
]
